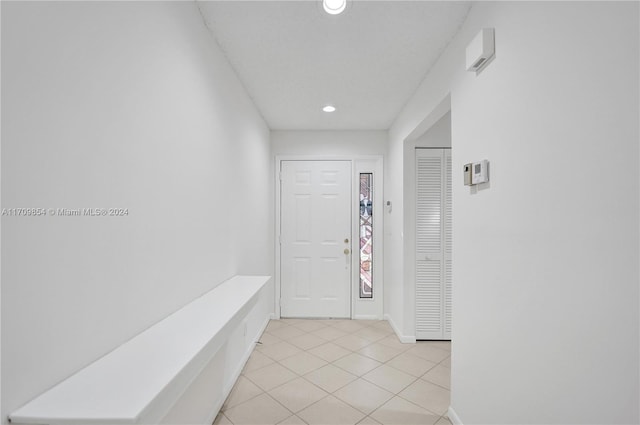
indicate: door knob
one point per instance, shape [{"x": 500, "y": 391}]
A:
[{"x": 346, "y": 251}]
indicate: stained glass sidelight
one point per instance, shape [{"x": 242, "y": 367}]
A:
[{"x": 366, "y": 235}]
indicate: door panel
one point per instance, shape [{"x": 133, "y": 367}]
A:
[
  {"x": 433, "y": 244},
  {"x": 315, "y": 216}
]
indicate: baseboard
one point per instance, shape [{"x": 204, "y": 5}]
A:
[
  {"x": 453, "y": 416},
  {"x": 366, "y": 317},
  {"x": 406, "y": 339}
]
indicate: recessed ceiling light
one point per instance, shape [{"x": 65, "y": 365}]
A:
[
  {"x": 329, "y": 108},
  {"x": 334, "y": 7}
]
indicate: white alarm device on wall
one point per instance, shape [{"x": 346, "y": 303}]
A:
[{"x": 480, "y": 172}]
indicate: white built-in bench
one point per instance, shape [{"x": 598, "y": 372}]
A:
[{"x": 178, "y": 371}]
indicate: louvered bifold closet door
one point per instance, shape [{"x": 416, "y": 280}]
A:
[
  {"x": 433, "y": 244},
  {"x": 429, "y": 243}
]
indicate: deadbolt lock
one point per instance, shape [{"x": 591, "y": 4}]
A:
[{"x": 346, "y": 240}]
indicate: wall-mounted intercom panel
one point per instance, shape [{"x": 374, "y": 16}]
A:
[
  {"x": 480, "y": 172},
  {"x": 476, "y": 173}
]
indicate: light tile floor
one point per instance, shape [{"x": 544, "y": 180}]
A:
[{"x": 321, "y": 372}]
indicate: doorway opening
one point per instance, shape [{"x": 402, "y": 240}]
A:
[{"x": 427, "y": 245}]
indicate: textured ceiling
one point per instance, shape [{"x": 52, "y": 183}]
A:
[{"x": 294, "y": 58}]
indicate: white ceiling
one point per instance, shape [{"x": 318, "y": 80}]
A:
[{"x": 294, "y": 58}]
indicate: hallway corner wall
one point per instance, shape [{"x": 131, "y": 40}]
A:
[{"x": 545, "y": 273}]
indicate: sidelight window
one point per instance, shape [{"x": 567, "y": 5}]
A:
[{"x": 366, "y": 235}]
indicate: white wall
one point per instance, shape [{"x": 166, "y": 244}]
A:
[
  {"x": 329, "y": 143},
  {"x": 545, "y": 319},
  {"x": 0, "y": 218},
  {"x": 438, "y": 136},
  {"x": 129, "y": 105}
]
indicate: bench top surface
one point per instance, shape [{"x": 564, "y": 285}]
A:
[{"x": 119, "y": 386}]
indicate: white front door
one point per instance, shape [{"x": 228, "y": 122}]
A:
[{"x": 315, "y": 239}]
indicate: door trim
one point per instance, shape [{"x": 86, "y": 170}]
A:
[
  {"x": 378, "y": 255},
  {"x": 411, "y": 142}
]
